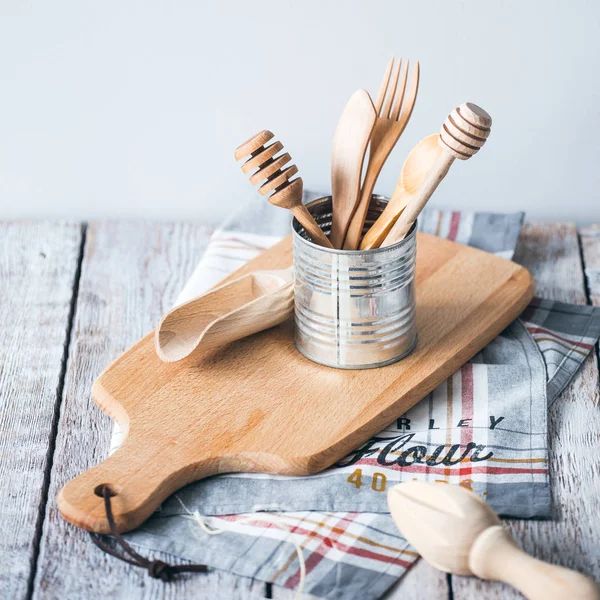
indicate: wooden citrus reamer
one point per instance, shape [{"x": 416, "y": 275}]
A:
[
  {"x": 462, "y": 135},
  {"x": 267, "y": 168},
  {"x": 457, "y": 532}
]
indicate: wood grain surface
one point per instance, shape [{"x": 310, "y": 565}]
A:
[
  {"x": 590, "y": 247},
  {"x": 140, "y": 268},
  {"x": 289, "y": 418},
  {"x": 131, "y": 274},
  {"x": 552, "y": 253},
  {"x": 38, "y": 271}
]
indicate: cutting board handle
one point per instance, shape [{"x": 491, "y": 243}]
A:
[{"x": 140, "y": 479}]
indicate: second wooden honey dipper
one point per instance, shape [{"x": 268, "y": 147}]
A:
[
  {"x": 462, "y": 135},
  {"x": 268, "y": 169}
]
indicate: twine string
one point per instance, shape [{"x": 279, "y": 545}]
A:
[
  {"x": 271, "y": 519},
  {"x": 157, "y": 569}
]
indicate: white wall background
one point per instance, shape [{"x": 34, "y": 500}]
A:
[{"x": 124, "y": 108}]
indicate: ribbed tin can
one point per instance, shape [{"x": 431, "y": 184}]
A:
[{"x": 354, "y": 309}]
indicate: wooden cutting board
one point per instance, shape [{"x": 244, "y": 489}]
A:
[{"x": 258, "y": 405}]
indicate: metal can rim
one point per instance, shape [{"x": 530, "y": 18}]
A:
[{"x": 295, "y": 225}]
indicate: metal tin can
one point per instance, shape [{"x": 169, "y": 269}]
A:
[{"x": 354, "y": 309}]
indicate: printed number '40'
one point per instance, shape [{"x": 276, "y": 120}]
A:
[
  {"x": 378, "y": 481},
  {"x": 356, "y": 478}
]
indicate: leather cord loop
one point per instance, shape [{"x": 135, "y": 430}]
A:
[{"x": 157, "y": 569}]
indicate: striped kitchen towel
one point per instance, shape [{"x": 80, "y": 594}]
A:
[{"x": 484, "y": 428}]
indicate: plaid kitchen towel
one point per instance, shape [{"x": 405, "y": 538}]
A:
[{"x": 484, "y": 428}]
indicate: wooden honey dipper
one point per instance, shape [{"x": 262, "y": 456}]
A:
[
  {"x": 287, "y": 194},
  {"x": 463, "y": 133}
]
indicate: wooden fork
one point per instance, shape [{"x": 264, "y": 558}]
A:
[{"x": 391, "y": 122}]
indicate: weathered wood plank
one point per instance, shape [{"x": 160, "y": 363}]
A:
[
  {"x": 130, "y": 275},
  {"x": 38, "y": 266},
  {"x": 590, "y": 246},
  {"x": 552, "y": 254},
  {"x": 121, "y": 299},
  {"x": 421, "y": 581}
]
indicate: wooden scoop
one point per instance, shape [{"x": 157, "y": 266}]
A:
[
  {"x": 268, "y": 169},
  {"x": 462, "y": 135},
  {"x": 457, "y": 532},
  {"x": 235, "y": 310},
  {"x": 416, "y": 167},
  {"x": 350, "y": 143}
]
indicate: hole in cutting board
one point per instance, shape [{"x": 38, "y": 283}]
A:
[{"x": 112, "y": 490}]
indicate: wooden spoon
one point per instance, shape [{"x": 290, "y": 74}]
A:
[
  {"x": 457, "y": 532},
  {"x": 349, "y": 147},
  {"x": 268, "y": 169},
  {"x": 230, "y": 312},
  {"x": 416, "y": 167},
  {"x": 462, "y": 135}
]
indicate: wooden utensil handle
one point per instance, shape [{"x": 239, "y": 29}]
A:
[
  {"x": 307, "y": 221},
  {"x": 495, "y": 555},
  {"x": 418, "y": 201},
  {"x": 357, "y": 223},
  {"x": 140, "y": 480},
  {"x": 380, "y": 229}
]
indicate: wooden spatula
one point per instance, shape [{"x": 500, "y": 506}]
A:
[
  {"x": 462, "y": 135},
  {"x": 391, "y": 122},
  {"x": 349, "y": 147},
  {"x": 457, "y": 532},
  {"x": 416, "y": 168},
  {"x": 267, "y": 170},
  {"x": 229, "y": 312}
]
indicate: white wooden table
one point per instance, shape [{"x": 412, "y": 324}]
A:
[{"x": 74, "y": 296}]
